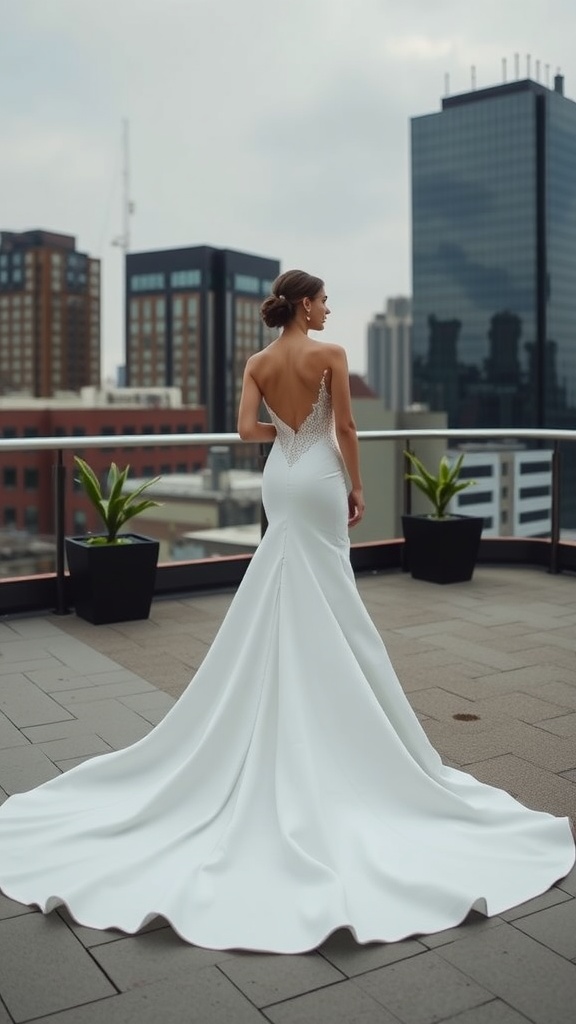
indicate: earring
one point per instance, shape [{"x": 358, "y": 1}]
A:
[{"x": 308, "y": 317}]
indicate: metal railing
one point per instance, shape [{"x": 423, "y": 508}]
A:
[{"x": 59, "y": 445}]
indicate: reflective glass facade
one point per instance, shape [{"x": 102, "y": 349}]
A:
[{"x": 494, "y": 258}]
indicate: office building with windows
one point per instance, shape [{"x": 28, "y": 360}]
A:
[
  {"x": 49, "y": 314},
  {"x": 494, "y": 259},
  {"x": 389, "y": 337},
  {"x": 192, "y": 320}
]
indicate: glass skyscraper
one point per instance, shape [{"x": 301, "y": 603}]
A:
[{"x": 494, "y": 259}]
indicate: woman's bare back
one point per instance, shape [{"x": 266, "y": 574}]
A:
[{"x": 289, "y": 373}]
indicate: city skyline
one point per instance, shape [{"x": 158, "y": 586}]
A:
[{"x": 254, "y": 128}]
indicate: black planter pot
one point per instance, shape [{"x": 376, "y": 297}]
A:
[
  {"x": 441, "y": 550},
  {"x": 112, "y": 582}
]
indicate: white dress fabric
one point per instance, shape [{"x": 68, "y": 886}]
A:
[{"x": 291, "y": 791}]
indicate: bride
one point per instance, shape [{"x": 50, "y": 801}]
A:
[{"x": 291, "y": 791}]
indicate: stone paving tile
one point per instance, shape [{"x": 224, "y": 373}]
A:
[
  {"x": 474, "y": 924},
  {"x": 544, "y": 791},
  {"x": 70, "y": 698},
  {"x": 18, "y": 650},
  {"x": 28, "y": 665},
  {"x": 344, "y": 953},
  {"x": 565, "y": 725},
  {"x": 11, "y": 908},
  {"x": 152, "y": 701},
  {"x": 154, "y": 956},
  {"x": 442, "y": 705},
  {"x": 43, "y": 968},
  {"x": 76, "y": 655},
  {"x": 424, "y": 989},
  {"x": 22, "y": 768},
  {"x": 98, "y": 937},
  {"x": 523, "y": 706},
  {"x": 205, "y": 997},
  {"x": 495, "y": 1012},
  {"x": 546, "y": 899},
  {"x": 562, "y": 692},
  {"x": 10, "y": 736},
  {"x": 467, "y": 746},
  {"x": 83, "y": 745},
  {"x": 33, "y": 627},
  {"x": 480, "y": 653},
  {"x": 70, "y": 728},
  {"x": 568, "y": 884},
  {"x": 58, "y": 679},
  {"x": 24, "y": 704},
  {"x": 520, "y": 971},
  {"x": 266, "y": 978},
  {"x": 112, "y": 721},
  {"x": 343, "y": 1003},
  {"x": 72, "y": 762},
  {"x": 554, "y": 927}
]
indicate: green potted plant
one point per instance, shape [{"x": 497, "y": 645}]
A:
[
  {"x": 440, "y": 547},
  {"x": 112, "y": 574}
]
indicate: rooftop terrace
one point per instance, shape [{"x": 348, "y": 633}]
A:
[{"x": 490, "y": 668}]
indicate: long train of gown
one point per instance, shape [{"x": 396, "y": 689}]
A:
[{"x": 291, "y": 790}]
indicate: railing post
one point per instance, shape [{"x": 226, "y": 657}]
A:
[
  {"x": 407, "y": 499},
  {"x": 59, "y": 480},
  {"x": 407, "y": 483},
  {"x": 555, "y": 526}
]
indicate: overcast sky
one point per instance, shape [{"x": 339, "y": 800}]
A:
[{"x": 280, "y": 127}]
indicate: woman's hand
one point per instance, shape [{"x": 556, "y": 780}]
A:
[{"x": 356, "y": 506}]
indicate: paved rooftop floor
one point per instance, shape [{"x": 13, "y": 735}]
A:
[{"x": 490, "y": 668}]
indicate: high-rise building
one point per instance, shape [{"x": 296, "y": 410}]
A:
[
  {"x": 192, "y": 320},
  {"x": 49, "y": 314},
  {"x": 494, "y": 260},
  {"x": 389, "y": 354}
]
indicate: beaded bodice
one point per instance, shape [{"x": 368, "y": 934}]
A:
[{"x": 318, "y": 425}]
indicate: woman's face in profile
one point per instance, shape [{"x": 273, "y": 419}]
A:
[{"x": 318, "y": 311}]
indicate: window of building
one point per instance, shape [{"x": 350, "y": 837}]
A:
[
  {"x": 185, "y": 278},
  {"x": 30, "y": 479},
  {"x": 30, "y": 432},
  {"x": 147, "y": 282},
  {"x": 9, "y": 432},
  {"x": 31, "y": 518},
  {"x": 9, "y": 516},
  {"x": 181, "y": 467},
  {"x": 148, "y": 471},
  {"x": 246, "y": 283},
  {"x": 10, "y": 476}
]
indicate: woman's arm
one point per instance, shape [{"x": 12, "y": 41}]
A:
[
  {"x": 250, "y": 427},
  {"x": 346, "y": 432}
]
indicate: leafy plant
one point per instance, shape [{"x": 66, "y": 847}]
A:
[
  {"x": 117, "y": 508},
  {"x": 439, "y": 488}
]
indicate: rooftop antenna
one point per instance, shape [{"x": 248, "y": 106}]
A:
[
  {"x": 473, "y": 76},
  {"x": 537, "y": 70},
  {"x": 128, "y": 207},
  {"x": 528, "y": 59},
  {"x": 446, "y": 84},
  {"x": 504, "y": 68},
  {"x": 547, "y": 73},
  {"x": 517, "y": 65}
]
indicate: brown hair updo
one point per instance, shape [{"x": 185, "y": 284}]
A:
[{"x": 287, "y": 291}]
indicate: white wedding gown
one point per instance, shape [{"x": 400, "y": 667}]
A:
[{"x": 291, "y": 790}]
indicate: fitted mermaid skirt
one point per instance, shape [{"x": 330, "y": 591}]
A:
[{"x": 291, "y": 791}]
